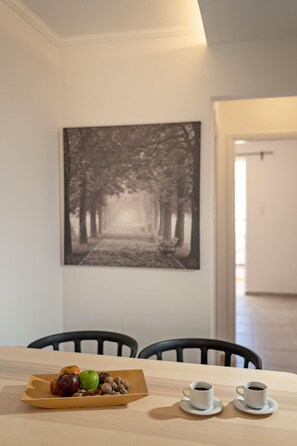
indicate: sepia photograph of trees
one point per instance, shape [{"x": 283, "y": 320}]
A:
[{"x": 132, "y": 195}]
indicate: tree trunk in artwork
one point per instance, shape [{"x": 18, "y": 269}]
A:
[
  {"x": 100, "y": 220},
  {"x": 167, "y": 222},
  {"x": 180, "y": 214},
  {"x": 161, "y": 222},
  {"x": 194, "y": 256},
  {"x": 83, "y": 238},
  {"x": 67, "y": 224},
  {"x": 93, "y": 223},
  {"x": 156, "y": 215},
  {"x": 179, "y": 227}
]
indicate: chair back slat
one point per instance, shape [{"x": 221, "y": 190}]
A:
[
  {"x": 77, "y": 345},
  {"x": 227, "y": 361},
  {"x": 159, "y": 356},
  {"x": 100, "y": 347},
  {"x": 204, "y": 354},
  {"x": 180, "y": 354},
  {"x": 120, "y": 349}
]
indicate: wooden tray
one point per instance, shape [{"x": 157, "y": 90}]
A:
[{"x": 37, "y": 392}]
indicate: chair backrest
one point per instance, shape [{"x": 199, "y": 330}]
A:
[
  {"x": 94, "y": 335},
  {"x": 204, "y": 345}
]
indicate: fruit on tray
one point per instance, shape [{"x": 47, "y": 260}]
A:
[
  {"x": 53, "y": 387},
  {"x": 86, "y": 383},
  {"x": 70, "y": 369},
  {"x": 67, "y": 384},
  {"x": 102, "y": 376},
  {"x": 88, "y": 380}
]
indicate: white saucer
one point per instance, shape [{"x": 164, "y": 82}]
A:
[
  {"x": 270, "y": 407},
  {"x": 215, "y": 408}
]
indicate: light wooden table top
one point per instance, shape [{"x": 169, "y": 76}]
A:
[{"x": 155, "y": 420}]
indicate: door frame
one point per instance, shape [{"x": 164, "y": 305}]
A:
[{"x": 225, "y": 230}]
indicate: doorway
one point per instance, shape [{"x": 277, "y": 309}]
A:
[
  {"x": 251, "y": 120},
  {"x": 265, "y": 254}
]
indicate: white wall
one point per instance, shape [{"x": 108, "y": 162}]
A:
[
  {"x": 255, "y": 119},
  {"x": 271, "y": 239},
  {"x": 30, "y": 274},
  {"x": 149, "y": 81},
  {"x": 139, "y": 82}
]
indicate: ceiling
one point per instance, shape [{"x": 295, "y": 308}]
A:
[
  {"x": 231, "y": 21},
  {"x": 73, "y": 18},
  {"x": 225, "y": 21}
]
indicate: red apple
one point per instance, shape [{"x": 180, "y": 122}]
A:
[{"x": 67, "y": 384}]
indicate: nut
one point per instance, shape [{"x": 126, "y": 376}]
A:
[
  {"x": 108, "y": 380},
  {"x": 91, "y": 392},
  {"x": 118, "y": 380},
  {"x": 122, "y": 389},
  {"x": 82, "y": 391},
  {"x": 107, "y": 389}
]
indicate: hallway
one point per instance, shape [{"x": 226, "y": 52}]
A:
[{"x": 268, "y": 325}]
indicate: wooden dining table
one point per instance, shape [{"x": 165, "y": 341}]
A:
[{"x": 156, "y": 419}]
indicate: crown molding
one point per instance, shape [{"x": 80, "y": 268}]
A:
[
  {"x": 34, "y": 21},
  {"x": 132, "y": 35},
  {"x": 58, "y": 41}
]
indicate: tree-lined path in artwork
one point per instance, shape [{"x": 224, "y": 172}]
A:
[
  {"x": 130, "y": 250},
  {"x": 133, "y": 193}
]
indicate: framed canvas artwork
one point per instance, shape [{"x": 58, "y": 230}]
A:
[{"x": 132, "y": 195}]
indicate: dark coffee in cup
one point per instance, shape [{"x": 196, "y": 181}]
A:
[
  {"x": 255, "y": 394},
  {"x": 200, "y": 394}
]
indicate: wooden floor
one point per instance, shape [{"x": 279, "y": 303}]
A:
[{"x": 268, "y": 325}]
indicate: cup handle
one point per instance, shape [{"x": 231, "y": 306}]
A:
[
  {"x": 186, "y": 389},
  {"x": 238, "y": 388}
]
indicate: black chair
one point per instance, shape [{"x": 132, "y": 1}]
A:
[
  {"x": 78, "y": 336},
  {"x": 204, "y": 345}
]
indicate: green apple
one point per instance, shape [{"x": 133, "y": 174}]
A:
[{"x": 88, "y": 379}]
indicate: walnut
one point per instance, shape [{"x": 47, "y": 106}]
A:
[
  {"x": 118, "y": 380},
  {"x": 113, "y": 385},
  {"x": 91, "y": 392},
  {"x": 122, "y": 389},
  {"x": 82, "y": 391},
  {"x": 108, "y": 380},
  {"x": 77, "y": 394},
  {"x": 125, "y": 385},
  {"x": 107, "y": 389}
]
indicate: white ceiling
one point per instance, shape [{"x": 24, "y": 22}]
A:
[
  {"x": 231, "y": 21},
  {"x": 225, "y": 21},
  {"x": 73, "y": 18}
]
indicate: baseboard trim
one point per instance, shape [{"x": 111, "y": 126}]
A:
[{"x": 262, "y": 293}]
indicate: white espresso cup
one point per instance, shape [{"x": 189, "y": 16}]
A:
[
  {"x": 200, "y": 394},
  {"x": 254, "y": 393}
]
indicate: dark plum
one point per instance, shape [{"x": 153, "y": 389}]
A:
[
  {"x": 102, "y": 377},
  {"x": 67, "y": 384}
]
